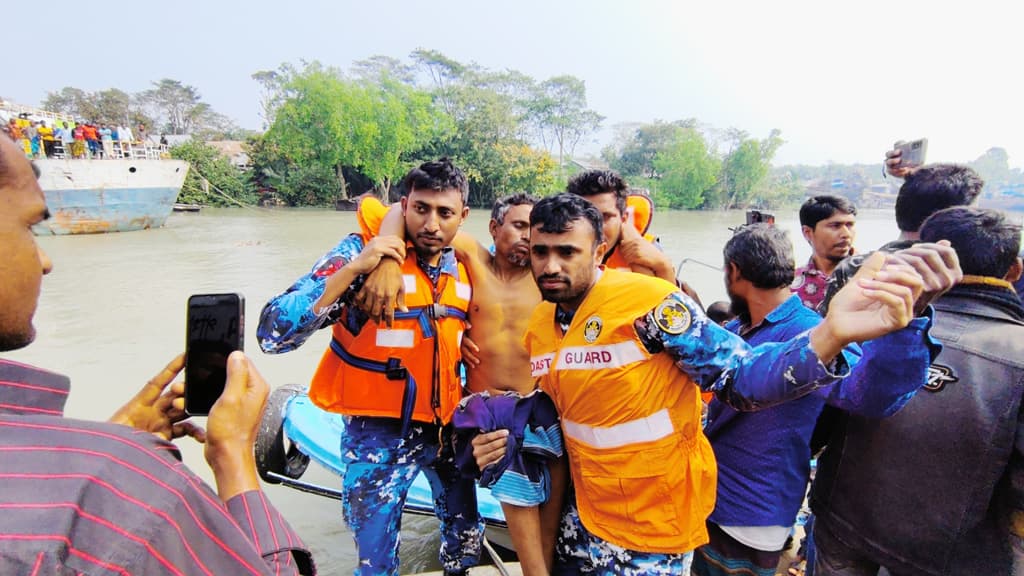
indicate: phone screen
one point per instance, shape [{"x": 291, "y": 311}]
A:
[{"x": 215, "y": 330}]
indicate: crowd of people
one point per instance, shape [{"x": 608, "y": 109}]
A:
[
  {"x": 623, "y": 430},
  {"x": 58, "y": 138}
]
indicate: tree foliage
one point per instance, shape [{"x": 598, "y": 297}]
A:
[
  {"x": 222, "y": 178},
  {"x": 180, "y": 110},
  {"x": 372, "y": 125},
  {"x": 560, "y": 114},
  {"x": 687, "y": 171},
  {"x": 111, "y": 106}
]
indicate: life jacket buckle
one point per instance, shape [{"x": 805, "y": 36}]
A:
[
  {"x": 438, "y": 311},
  {"x": 394, "y": 370}
]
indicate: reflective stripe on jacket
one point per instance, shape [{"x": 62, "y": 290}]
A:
[
  {"x": 643, "y": 470},
  {"x": 425, "y": 342}
]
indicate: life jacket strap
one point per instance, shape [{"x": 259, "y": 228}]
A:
[
  {"x": 392, "y": 369},
  {"x": 431, "y": 311}
]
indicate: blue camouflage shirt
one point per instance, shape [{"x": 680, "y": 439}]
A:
[{"x": 289, "y": 319}]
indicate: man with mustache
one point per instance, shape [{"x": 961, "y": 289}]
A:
[
  {"x": 827, "y": 223},
  {"x": 397, "y": 382}
]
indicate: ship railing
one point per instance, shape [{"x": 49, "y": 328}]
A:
[{"x": 117, "y": 150}]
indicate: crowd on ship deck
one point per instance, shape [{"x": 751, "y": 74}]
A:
[{"x": 65, "y": 138}]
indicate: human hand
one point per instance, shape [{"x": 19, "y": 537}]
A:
[
  {"x": 383, "y": 291},
  {"x": 938, "y": 266},
  {"x": 378, "y": 247},
  {"x": 489, "y": 448},
  {"x": 232, "y": 426},
  {"x": 160, "y": 411},
  {"x": 469, "y": 350},
  {"x": 879, "y": 299},
  {"x": 894, "y": 163},
  {"x": 643, "y": 256}
]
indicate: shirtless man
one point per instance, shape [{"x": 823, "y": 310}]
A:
[{"x": 504, "y": 296}]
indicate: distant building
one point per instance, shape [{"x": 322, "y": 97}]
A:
[{"x": 233, "y": 150}]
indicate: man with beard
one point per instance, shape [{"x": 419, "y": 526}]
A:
[
  {"x": 827, "y": 223},
  {"x": 504, "y": 296},
  {"x": 396, "y": 383},
  {"x": 763, "y": 457},
  {"x": 621, "y": 371},
  {"x": 627, "y": 248}
]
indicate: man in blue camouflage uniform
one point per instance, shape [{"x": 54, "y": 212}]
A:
[{"x": 383, "y": 454}]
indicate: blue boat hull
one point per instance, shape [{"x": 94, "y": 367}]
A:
[
  {"x": 95, "y": 196},
  {"x": 112, "y": 210}
]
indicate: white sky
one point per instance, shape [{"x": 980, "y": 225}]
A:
[{"x": 842, "y": 80}]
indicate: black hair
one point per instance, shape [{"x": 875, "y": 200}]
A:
[
  {"x": 985, "y": 241},
  {"x": 440, "y": 175},
  {"x": 763, "y": 254},
  {"x": 594, "y": 182},
  {"x": 818, "y": 208},
  {"x": 555, "y": 215},
  {"x": 933, "y": 188},
  {"x": 502, "y": 205}
]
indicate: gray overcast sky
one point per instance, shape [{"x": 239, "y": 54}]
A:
[{"x": 842, "y": 80}]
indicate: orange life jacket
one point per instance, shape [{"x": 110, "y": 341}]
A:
[
  {"x": 409, "y": 371},
  {"x": 643, "y": 470}
]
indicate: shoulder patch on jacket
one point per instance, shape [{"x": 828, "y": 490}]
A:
[
  {"x": 938, "y": 377},
  {"x": 672, "y": 317}
]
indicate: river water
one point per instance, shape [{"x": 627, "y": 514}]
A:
[{"x": 112, "y": 313}]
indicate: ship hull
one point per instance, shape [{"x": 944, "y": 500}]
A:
[{"x": 96, "y": 196}]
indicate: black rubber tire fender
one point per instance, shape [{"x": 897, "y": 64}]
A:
[{"x": 274, "y": 453}]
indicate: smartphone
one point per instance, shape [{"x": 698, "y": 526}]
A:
[
  {"x": 912, "y": 153},
  {"x": 216, "y": 327}
]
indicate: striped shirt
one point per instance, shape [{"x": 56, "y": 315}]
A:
[{"x": 95, "y": 498}]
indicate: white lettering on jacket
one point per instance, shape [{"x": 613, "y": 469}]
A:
[{"x": 599, "y": 357}]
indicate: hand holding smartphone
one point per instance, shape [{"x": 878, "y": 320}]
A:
[{"x": 216, "y": 328}]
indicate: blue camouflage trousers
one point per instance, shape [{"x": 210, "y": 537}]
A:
[
  {"x": 380, "y": 466},
  {"x": 577, "y": 551}
]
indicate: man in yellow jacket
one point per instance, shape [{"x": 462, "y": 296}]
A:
[{"x": 619, "y": 353}]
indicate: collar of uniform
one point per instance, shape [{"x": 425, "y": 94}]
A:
[
  {"x": 779, "y": 314},
  {"x": 28, "y": 390}
]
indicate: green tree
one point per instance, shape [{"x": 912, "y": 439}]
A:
[
  {"x": 111, "y": 106},
  {"x": 372, "y": 126},
  {"x": 181, "y": 110},
  {"x": 687, "y": 171},
  {"x": 220, "y": 176},
  {"x": 743, "y": 168},
  {"x": 559, "y": 112},
  {"x": 636, "y": 146}
]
